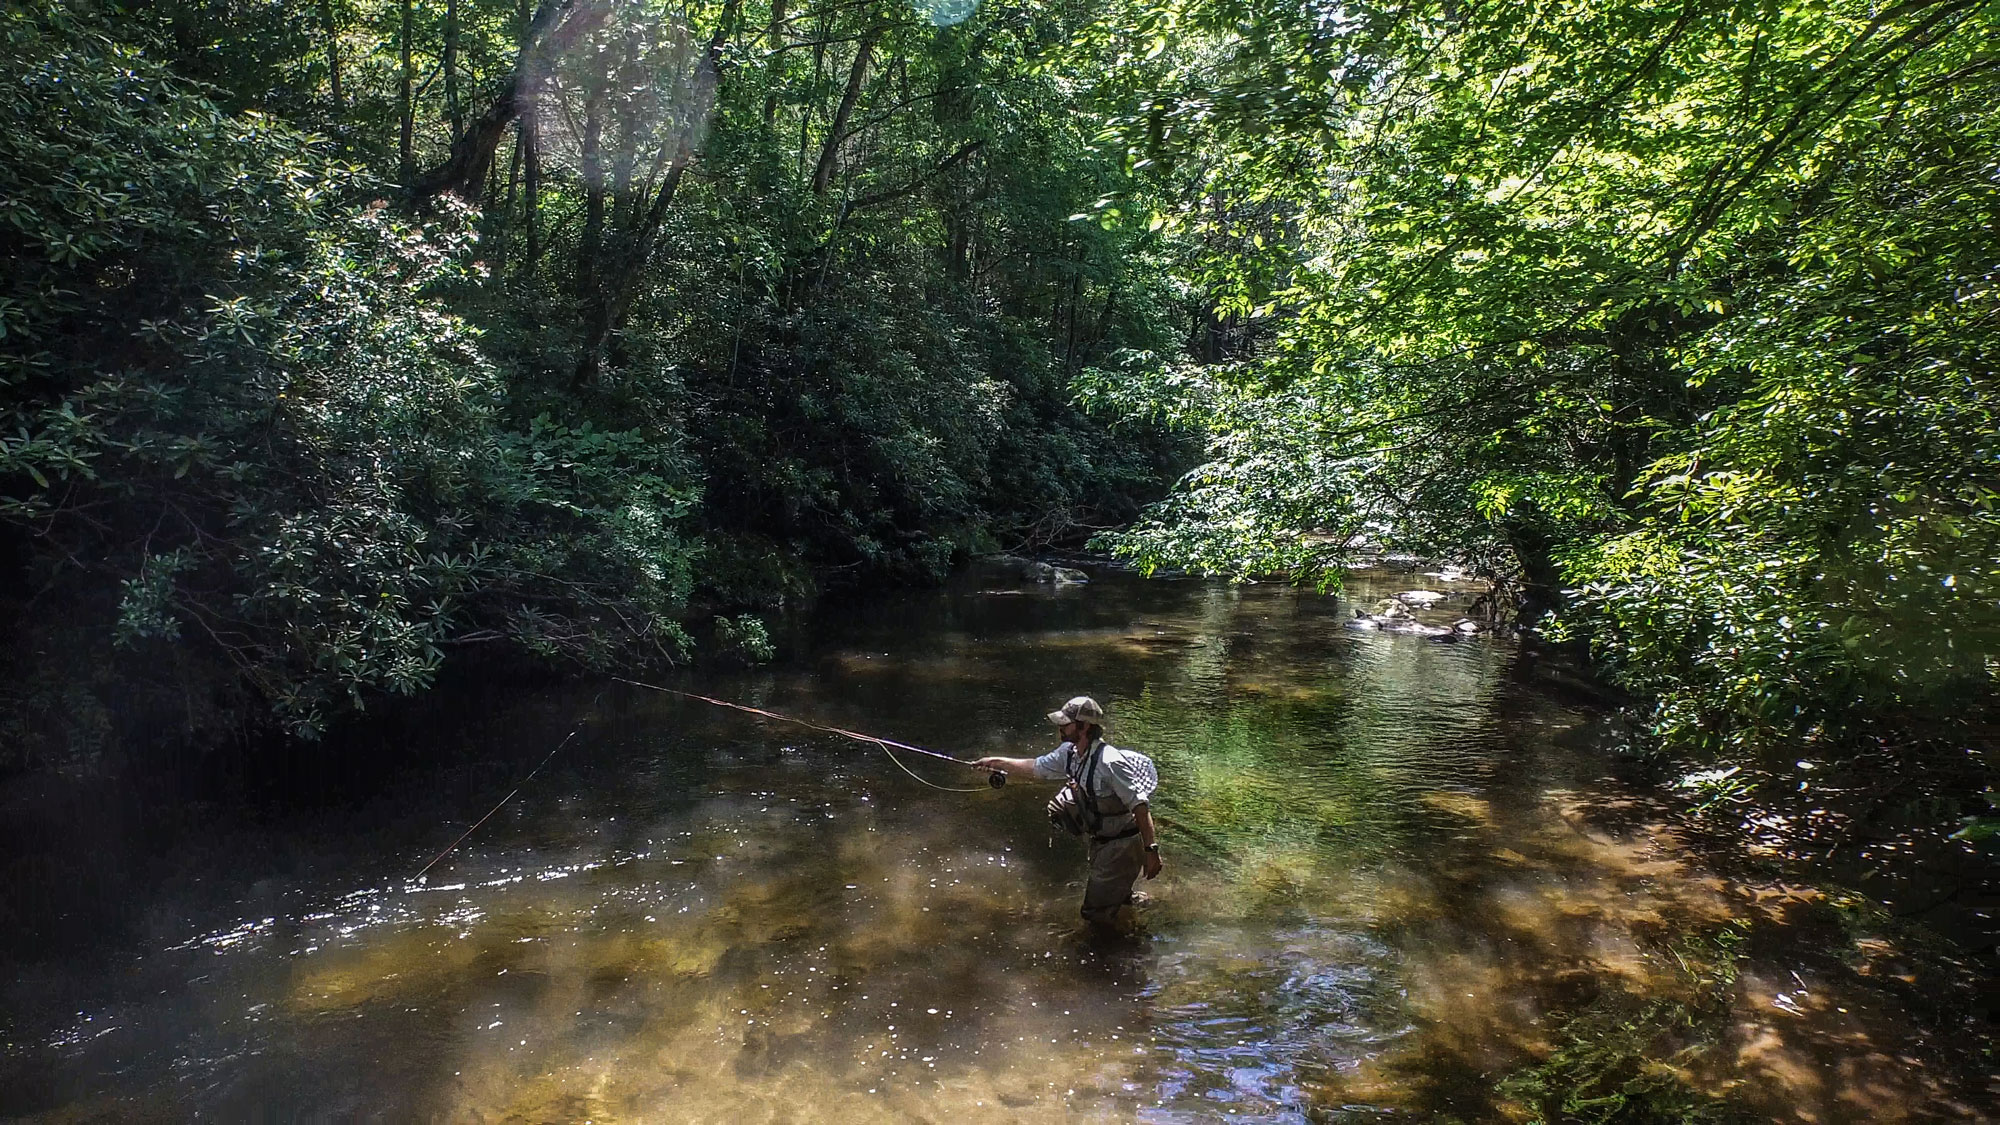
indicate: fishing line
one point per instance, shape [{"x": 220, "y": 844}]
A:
[
  {"x": 922, "y": 780},
  {"x": 518, "y": 786},
  {"x": 996, "y": 779}
]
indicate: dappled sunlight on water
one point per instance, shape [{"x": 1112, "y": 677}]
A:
[{"x": 1393, "y": 874}]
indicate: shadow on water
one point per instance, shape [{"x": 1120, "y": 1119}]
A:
[{"x": 1396, "y": 886}]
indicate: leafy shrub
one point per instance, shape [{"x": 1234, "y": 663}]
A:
[
  {"x": 1827, "y": 546},
  {"x": 239, "y": 410}
]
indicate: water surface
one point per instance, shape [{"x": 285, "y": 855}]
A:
[{"x": 1388, "y": 869}]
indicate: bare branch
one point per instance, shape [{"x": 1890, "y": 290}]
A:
[
  {"x": 964, "y": 153},
  {"x": 556, "y": 25}
]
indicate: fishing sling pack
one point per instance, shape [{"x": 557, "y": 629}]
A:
[{"x": 1076, "y": 808}]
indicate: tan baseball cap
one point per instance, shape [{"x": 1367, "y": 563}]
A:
[{"x": 1082, "y": 709}]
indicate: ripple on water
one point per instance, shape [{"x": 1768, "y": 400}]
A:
[{"x": 1257, "y": 1021}]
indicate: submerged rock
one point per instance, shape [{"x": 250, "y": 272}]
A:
[
  {"x": 1401, "y": 623},
  {"x": 1033, "y": 570},
  {"x": 1419, "y": 629},
  {"x": 1421, "y": 597},
  {"x": 1008, "y": 566}
]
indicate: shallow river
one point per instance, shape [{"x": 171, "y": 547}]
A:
[{"x": 1392, "y": 866}]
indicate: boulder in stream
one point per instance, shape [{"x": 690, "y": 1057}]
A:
[
  {"x": 1401, "y": 623},
  {"x": 1033, "y": 570},
  {"x": 1014, "y": 566}
]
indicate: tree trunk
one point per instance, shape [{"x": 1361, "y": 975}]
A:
[
  {"x": 774, "y": 38},
  {"x": 406, "y": 106},
  {"x": 525, "y": 101},
  {"x": 1104, "y": 319},
  {"x": 556, "y": 25},
  {"x": 820, "y": 33},
  {"x": 958, "y": 243},
  {"x": 331, "y": 30},
  {"x": 625, "y": 161},
  {"x": 1075, "y": 306},
  {"x": 531, "y": 192},
  {"x": 492, "y": 197},
  {"x": 592, "y": 159},
  {"x": 507, "y": 204},
  {"x": 610, "y": 300},
  {"x": 857, "y": 77},
  {"x": 1541, "y": 578},
  {"x": 451, "y": 109}
]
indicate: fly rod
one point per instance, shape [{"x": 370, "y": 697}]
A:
[{"x": 996, "y": 778}]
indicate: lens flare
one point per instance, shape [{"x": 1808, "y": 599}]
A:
[{"x": 947, "y": 13}]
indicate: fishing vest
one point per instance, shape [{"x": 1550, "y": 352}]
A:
[{"x": 1077, "y": 809}]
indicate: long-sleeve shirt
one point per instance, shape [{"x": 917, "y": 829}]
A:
[{"x": 1125, "y": 775}]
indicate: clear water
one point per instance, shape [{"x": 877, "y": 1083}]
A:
[{"x": 1381, "y": 875}]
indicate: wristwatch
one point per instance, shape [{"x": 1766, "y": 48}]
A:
[{"x": 1153, "y": 848}]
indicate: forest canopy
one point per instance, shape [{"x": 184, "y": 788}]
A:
[
  {"x": 1682, "y": 317},
  {"x": 342, "y": 337}
]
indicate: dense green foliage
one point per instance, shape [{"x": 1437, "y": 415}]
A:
[
  {"x": 339, "y": 338},
  {"x": 1681, "y": 317},
  {"x": 241, "y": 404},
  {"x": 345, "y": 335}
]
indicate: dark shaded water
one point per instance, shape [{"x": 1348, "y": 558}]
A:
[{"x": 1386, "y": 867}]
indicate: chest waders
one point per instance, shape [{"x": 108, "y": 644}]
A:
[{"x": 1078, "y": 810}]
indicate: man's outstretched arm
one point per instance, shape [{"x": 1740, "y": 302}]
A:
[{"x": 1013, "y": 767}]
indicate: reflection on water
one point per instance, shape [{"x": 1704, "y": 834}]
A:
[{"x": 1382, "y": 879}]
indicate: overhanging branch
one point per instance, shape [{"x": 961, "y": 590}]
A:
[
  {"x": 964, "y": 153},
  {"x": 555, "y": 26}
]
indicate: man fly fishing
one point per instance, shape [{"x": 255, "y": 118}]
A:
[
  {"x": 1105, "y": 797},
  {"x": 1106, "y": 794}
]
